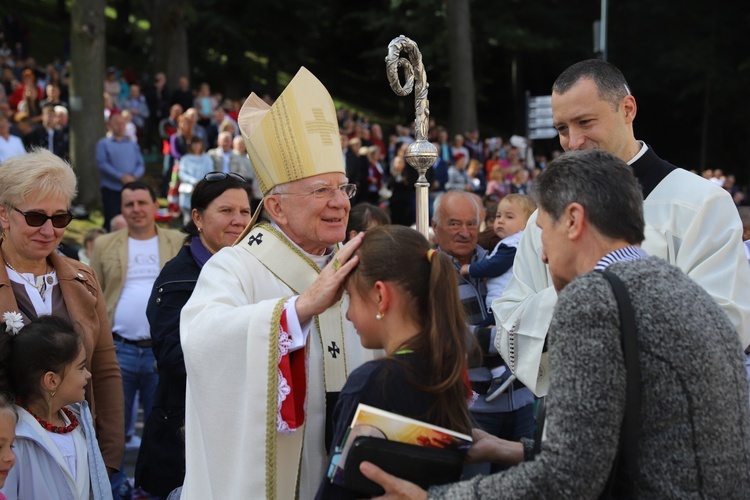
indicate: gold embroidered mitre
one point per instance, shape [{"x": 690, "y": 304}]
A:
[{"x": 296, "y": 137}]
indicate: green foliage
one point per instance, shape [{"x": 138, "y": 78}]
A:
[{"x": 672, "y": 54}]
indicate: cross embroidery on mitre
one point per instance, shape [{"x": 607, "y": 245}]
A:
[{"x": 322, "y": 127}]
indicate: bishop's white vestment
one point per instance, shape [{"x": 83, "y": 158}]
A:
[{"x": 237, "y": 444}]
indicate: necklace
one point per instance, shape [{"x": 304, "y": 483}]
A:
[
  {"x": 41, "y": 285},
  {"x": 54, "y": 428}
]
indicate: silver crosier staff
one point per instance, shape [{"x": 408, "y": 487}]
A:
[{"x": 420, "y": 154}]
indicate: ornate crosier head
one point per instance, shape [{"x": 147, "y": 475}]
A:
[{"x": 13, "y": 322}]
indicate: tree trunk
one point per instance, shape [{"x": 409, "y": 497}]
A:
[
  {"x": 87, "y": 53},
  {"x": 463, "y": 94},
  {"x": 169, "y": 31},
  {"x": 123, "y": 31}
]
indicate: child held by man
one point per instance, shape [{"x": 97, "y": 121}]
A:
[{"x": 513, "y": 212}]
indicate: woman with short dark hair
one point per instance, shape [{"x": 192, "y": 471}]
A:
[{"x": 220, "y": 211}]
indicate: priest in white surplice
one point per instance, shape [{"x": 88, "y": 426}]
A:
[{"x": 265, "y": 337}]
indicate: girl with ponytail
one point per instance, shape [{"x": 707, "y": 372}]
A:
[{"x": 403, "y": 298}]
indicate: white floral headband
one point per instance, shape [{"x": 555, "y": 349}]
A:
[{"x": 13, "y": 322}]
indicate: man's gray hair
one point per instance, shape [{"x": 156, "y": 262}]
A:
[
  {"x": 603, "y": 184},
  {"x": 450, "y": 194},
  {"x": 610, "y": 82}
]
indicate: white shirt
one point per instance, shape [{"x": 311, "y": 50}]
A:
[{"x": 143, "y": 268}]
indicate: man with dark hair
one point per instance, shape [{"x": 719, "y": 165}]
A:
[
  {"x": 692, "y": 434},
  {"x": 52, "y": 95},
  {"x": 127, "y": 263},
  {"x": 183, "y": 94},
  {"x": 690, "y": 222},
  {"x": 157, "y": 97},
  {"x": 46, "y": 134},
  {"x": 221, "y": 122}
]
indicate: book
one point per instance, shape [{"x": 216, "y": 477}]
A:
[{"x": 442, "y": 450}]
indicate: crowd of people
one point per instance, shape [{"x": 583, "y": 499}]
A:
[{"x": 586, "y": 319}]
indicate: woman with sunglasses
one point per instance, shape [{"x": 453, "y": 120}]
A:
[
  {"x": 36, "y": 190},
  {"x": 220, "y": 210}
]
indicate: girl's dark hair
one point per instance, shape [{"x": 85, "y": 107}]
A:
[
  {"x": 362, "y": 214},
  {"x": 399, "y": 255},
  {"x": 47, "y": 344},
  {"x": 207, "y": 191}
]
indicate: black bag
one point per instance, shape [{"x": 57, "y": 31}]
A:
[{"x": 421, "y": 465}]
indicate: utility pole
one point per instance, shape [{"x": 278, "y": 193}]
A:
[{"x": 603, "y": 31}]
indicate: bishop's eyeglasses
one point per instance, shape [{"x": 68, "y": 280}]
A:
[{"x": 328, "y": 192}]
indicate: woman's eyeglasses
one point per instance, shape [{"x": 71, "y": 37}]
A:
[
  {"x": 38, "y": 219},
  {"x": 220, "y": 176}
]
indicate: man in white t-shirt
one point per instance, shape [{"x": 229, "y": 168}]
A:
[{"x": 127, "y": 262}]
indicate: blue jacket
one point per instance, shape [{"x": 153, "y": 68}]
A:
[
  {"x": 39, "y": 473},
  {"x": 161, "y": 459}
]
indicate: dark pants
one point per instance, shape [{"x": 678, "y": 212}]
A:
[
  {"x": 512, "y": 426},
  {"x": 111, "y": 202}
]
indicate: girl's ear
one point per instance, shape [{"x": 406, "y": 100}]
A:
[
  {"x": 384, "y": 295},
  {"x": 50, "y": 381}
]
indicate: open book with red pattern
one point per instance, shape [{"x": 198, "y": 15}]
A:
[{"x": 422, "y": 453}]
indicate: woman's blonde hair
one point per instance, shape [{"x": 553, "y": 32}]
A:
[{"x": 40, "y": 174}]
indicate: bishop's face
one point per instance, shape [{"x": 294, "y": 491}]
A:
[{"x": 314, "y": 223}]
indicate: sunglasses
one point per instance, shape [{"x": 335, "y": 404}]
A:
[
  {"x": 220, "y": 176},
  {"x": 38, "y": 219}
]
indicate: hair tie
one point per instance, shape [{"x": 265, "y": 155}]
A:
[
  {"x": 13, "y": 322},
  {"x": 430, "y": 253}
]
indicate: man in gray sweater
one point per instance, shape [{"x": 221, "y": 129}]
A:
[{"x": 693, "y": 438}]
